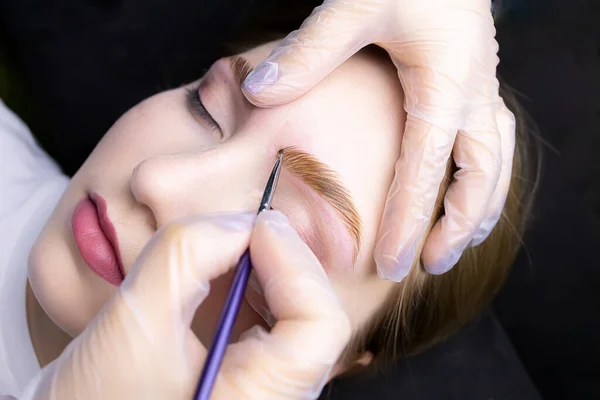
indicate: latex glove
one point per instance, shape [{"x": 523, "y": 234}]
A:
[
  {"x": 140, "y": 345},
  {"x": 445, "y": 53}
]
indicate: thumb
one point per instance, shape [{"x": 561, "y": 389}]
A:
[
  {"x": 329, "y": 36},
  {"x": 294, "y": 359}
]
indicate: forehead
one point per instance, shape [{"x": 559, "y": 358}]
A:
[{"x": 360, "y": 102}]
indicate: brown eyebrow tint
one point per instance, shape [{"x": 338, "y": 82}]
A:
[{"x": 326, "y": 183}]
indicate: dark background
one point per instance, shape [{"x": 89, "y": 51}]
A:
[{"x": 71, "y": 68}]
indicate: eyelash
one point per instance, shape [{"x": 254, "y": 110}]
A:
[{"x": 198, "y": 108}]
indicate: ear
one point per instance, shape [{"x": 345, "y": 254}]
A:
[
  {"x": 351, "y": 367},
  {"x": 363, "y": 361}
]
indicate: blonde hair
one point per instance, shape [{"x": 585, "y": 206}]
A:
[{"x": 425, "y": 309}]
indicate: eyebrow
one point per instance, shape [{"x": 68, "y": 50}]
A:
[
  {"x": 325, "y": 182},
  {"x": 240, "y": 67}
]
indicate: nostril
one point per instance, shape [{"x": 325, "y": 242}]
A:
[{"x": 150, "y": 218}]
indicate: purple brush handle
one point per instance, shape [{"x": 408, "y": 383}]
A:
[{"x": 226, "y": 322}]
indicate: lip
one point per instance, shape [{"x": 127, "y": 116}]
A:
[{"x": 96, "y": 239}]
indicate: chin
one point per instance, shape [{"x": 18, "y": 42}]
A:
[{"x": 66, "y": 293}]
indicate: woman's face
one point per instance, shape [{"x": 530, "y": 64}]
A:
[{"x": 168, "y": 158}]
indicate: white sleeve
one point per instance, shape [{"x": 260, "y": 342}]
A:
[
  {"x": 24, "y": 166},
  {"x": 30, "y": 391},
  {"x": 30, "y": 186}
]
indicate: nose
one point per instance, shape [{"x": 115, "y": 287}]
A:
[{"x": 227, "y": 178}]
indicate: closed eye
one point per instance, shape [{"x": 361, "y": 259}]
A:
[{"x": 197, "y": 108}]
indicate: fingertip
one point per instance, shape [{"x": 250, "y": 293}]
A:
[
  {"x": 442, "y": 265},
  {"x": 264, "y": 88},
  {"x": 256, "y": 100},
  {"x": 271, "y": 237},
  {"x": 273, "y": 95},
  {"x": 394, "y": 273},
  {"x": 478, "y": 239},
  {"x": 265, "y": 74},
  {"x": 273, "y": 219},
  {"x": 274, "y": 231},
  {"x": 483, "y": 232},
  {"x": 276, "y": 244},
  {"x": 396, "y": 251},
  {"x": 394, "y": 268},
  {"x": 437, "y": 257}
]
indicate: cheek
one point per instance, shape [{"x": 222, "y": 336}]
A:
[
  {"x": 361, "y": 296},
  {"x": 68, "y": 291}
]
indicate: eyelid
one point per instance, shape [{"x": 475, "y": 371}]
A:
[
  {"x": 198, "y": 109},
  {"x": 299, "y": 213}
]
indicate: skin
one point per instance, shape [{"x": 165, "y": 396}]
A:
[{"x": 159, "y": 163}]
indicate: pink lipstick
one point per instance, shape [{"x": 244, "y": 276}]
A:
[{"x": 96, "y": 239}]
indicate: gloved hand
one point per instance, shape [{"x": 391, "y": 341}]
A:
[
  {"x": 445, "y": 53},
  {"x": 140, "y": 345}
]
